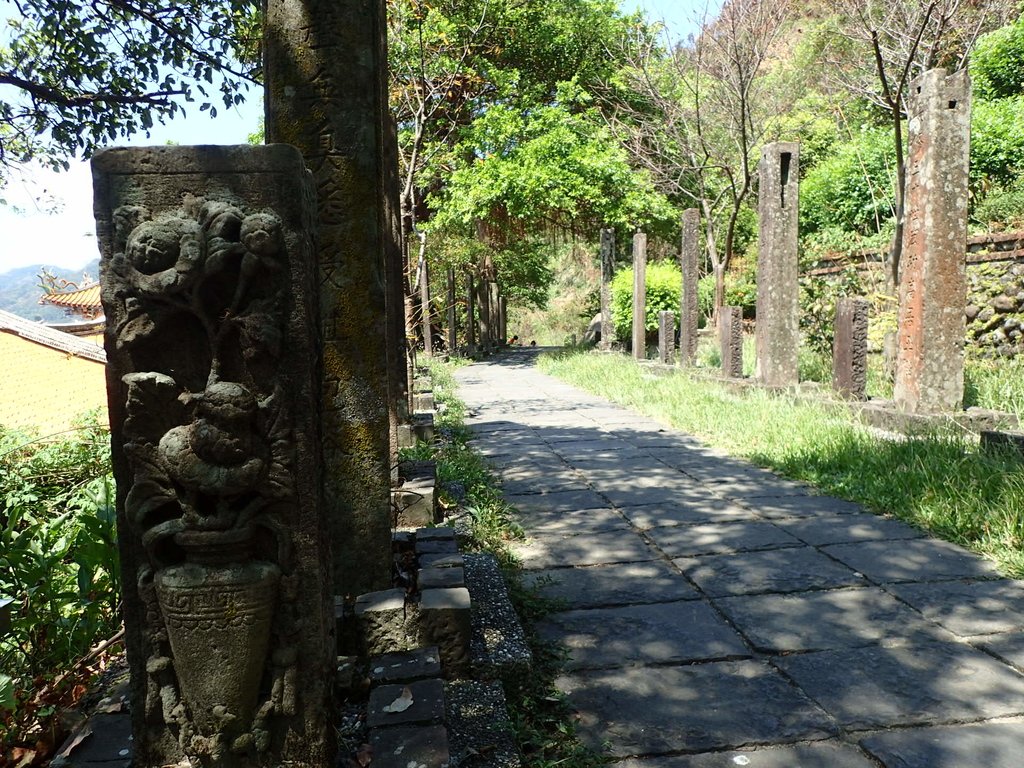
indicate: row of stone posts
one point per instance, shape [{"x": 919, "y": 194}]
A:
[{"x": 931, "y": 287}]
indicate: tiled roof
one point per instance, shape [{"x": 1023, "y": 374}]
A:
[
  {"x": 82, "y": 298},
  {"x": 40, "y": 334}
]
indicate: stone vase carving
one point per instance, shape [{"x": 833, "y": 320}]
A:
[{"x": 218, "y": 609}]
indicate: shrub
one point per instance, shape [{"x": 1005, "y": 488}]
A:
[
  {"x": 740, "y": 291},
  {"x": 997, "y": 142},
  {"x": 818, "y": 297},
  {"x": 997, "y": 62},
  {"x": 663, "y": 290}
]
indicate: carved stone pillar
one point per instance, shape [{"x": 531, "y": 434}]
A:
[
  {"x": 607, "y": 273},
  {"x": 208, "y": 285},
  {"x": 640, "y": 296},
  {"x": 688, "y": 310}
]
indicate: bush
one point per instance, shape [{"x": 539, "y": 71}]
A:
[
  {"x": 664, "y": 288},
  {"x": 997, "y": 142},
  {"x": 740, "y": 291},
  {"x": 818, "y": 297},
  {"x": 997, "y": 62}
]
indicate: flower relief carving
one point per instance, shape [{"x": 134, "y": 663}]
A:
[{"x": 201, "y": 297}]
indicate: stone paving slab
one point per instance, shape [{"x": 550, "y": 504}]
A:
[
  {"x": 639, "y": 711},
  {"x": 912, "y": 560},
  {"x": 968, "y": 608},
  {"x": 660, "y": 633},
  {"x": 980, "y": 745},
  {"x": 797, "y": 506},
  {"x": 809, "y": 621},
  {"x": 548, "y": 482},
  {"x": 782, "y": 570},
  {"x": 1009, "y": 646},
  {"x": 558, "y": 501},
  {"x": 719, "y": 538},
  {"x": 876, "y": 687},
  {"x": 844, "y": 529},
  {"x": 818, "y": 755},
  {"x": 596, "y": 549},
  {"x": 665, "y": 494},
  {"x": 600, "y": 586},
  {"x": 575, "y": 522},
  {"x": 687, "y": 512}
]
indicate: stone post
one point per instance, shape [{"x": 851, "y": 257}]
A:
[
  {"x": 777, "y": 332},
  {"x": 208, "y": 284},
  {"x": 503, "y": 320},
  {"x": 450, "y": 314},
  {"x": 483, "y": 304},
  {"x": 730, "y": 340},
  {"x": 426, "y": 315},
  {"x": 495, "y": 321},
  {"x": 607, "y": 272},
  {"x": 639, "y": 295},
  {"x": 666, "y": 335},
  {"x": 932, "y": 285},
  {"x": 470, "y": 313},
  {"x": 850, "y": 348},
  {"x": 326, "y": 79},
  {"x": 688, "y": 260}
]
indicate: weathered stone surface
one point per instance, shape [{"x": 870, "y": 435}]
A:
[
  {"x": 658, "y": 633},
  {"x": 574, "y": 522},
  {"x": 687, "y": 512},
  {"x": 718, "y": 538},
  {"x": 1008, "y": 646},
  {"x": 968, "y": 608},
  {"x": 441, "y": 560},
  {"x": 595, "y": 549},
  {"x": 437, "y": 533},
  {"x": 416, "y": 746},
  {"x": 730, "y": 341},
  {"x": 437, "y": 547},
  {"x": 404, "y": 667},
  {"x": 843, "y": 529},
  {"x": 326, "y": 79},
  {"x": 440, "y": 578},
  {"x": 478, "y": 724},
  {"x": 809, "y": 621},
  {"x": 206, "y": 268},
  {"x": 639, "y": 296},
  {"x": 558, "y": 501},
  {"x": 388, "y": 704},
  {"x": 778, "y": 289},
  {"x": 470, "y": 311},
  {"x": 933, "y": 287},
  {"x": 993, "y": 745},
  {"x": 607, "y": 272},
  {"x": 700, "y": 707},
  {"x": 109, "y": 745},
  {"x": 384, "y": 622},
  {"x": 817, "y": 755},
  {"x": 850, "y": 348},
  {"x": 913, "y": 560},
  {"x": 415, "y": 503},
  {"x": 780, "y": 570},
  {"x": 445, "y": 621},
  {"x": 612, "y": 585},
  {"x": 924, "y": 683},
  {"x": 498, "y": 645},
  {"x": 1012, "y": 440},
  {"x": 451, "y": 338},
  {"x": 689, "y": 257},
  {"x": 666, "y": 336},
  {"x": 799, "y": 506}
]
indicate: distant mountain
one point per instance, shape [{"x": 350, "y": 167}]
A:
[{"x": 20, "y": 291}]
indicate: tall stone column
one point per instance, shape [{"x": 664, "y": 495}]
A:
[
  {"x": 471, "y": 339},
  {"x": 483, "y": 306},
  {"x": 426, "y": 314},
  {"x": 503, "y": 319},
  {"x": 666, "y": 336},
  {"x": 326, "y": 80},
  {"x": 730, "y": 340},
  {"x": 688, "y": 264},
  {"x": 777, "y": 332},
  {"x": 493, "y": 296},
  {"x": 850, "y": 348},
  {"x": 450, "y": 314},
  {"x": 639, "y": 295},
  {"x": 607, "y": 273},
  {"x": 933, "y": 289},
  {"x": 208, "y": 285}
]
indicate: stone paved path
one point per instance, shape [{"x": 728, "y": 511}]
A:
[{"x": 718, "y": 615}]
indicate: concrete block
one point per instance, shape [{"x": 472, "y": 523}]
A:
[
  {"x": 441, "y": 578},
  {"x": 418, "y": 702},
  {"x": 385, "y": 622},
  {"x": 404, "y": 667},
  {"x": 424, "y": 746},
  {"x": 445, "y": 621}
]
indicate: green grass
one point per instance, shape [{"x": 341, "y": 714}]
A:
[
  {"x": 939, "y": 482},
  {"x": 540, "y": 717}
]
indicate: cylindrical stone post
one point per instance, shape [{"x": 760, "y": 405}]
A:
[
  {"x": 666, "y": 335},
  {"x": 426, "y": 315},
  {"x": 688, "y": 261},
  {"x": 640, "y": 296},
  {"x": 730, "y": 339},
  {"x": 850, "y": 349},
  {"x": 326, "y": 80},
  {"x": 483, "y": 306},
  {"x": 777, "y": 332},
  {"x": 607, "y": 272},
  {"x": 495, "y": 321},
  {"x": 503, "y": 320},
  {"x": 470, "y": 313},
  {"x": 933, "y": 284},
  {"x": 450, "y": 314},
  {"x": 208, "y": 283}
]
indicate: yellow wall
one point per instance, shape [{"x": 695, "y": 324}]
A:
[{"x": 46, "y": 389}]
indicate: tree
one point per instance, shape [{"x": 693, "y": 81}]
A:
[
  {"x": 694, "y": 115},
  {"x": 75, "y": 74}
]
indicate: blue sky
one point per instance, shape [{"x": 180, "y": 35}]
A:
[{"x": 67, "y": 238}]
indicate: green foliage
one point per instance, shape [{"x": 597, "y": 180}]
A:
[
  {"x": 852, "y": 188},
  {"x": 740, "y": 291},
  {"x": 85, "y": 73},
  {"x": 997, "y": 62},
  {"x": 997, "y": 142},
  {"x": 663, "y": 291},
  {"x": 995, "y": 384},
  {"x": 1001, "y": 207},
  {"x": 818, "y": 297},
  {"x": 58, "y": 555}
]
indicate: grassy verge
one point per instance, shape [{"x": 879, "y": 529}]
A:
[
  {"x": 539, "y": 715},
  {"x": 939, "y": 482}
]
